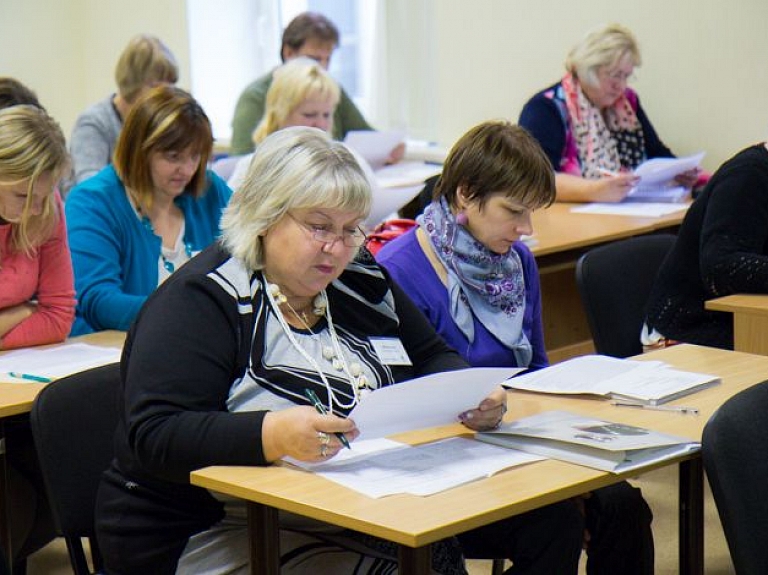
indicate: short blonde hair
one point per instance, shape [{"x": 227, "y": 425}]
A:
[
  {"x": 143, "y": 62},
  {"x": 164, "y": 119},
  {"x": 292, "y": 83},
  {"x": 31, "y": 145},
  {"x": 293, "y": 168},
  {"x": 599, "y": 48}
]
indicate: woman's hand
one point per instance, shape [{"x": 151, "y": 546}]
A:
[
  {"x": 613, "y": 188},
  {"x": 302, "y": 433},
  {"x": 688, "y": 179},
  {"x": 397, "y": 154},
  {"x": 488, "y": 414}
]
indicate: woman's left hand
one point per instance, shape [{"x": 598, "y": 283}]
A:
[
  {"x": 488, "y": 414},
  {"x": 688, "y": 179},
  {"x": 396, "y": 154}
]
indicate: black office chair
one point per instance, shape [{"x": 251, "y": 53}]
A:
[
  {"x": 73, "y": 424},
  {"x": 734, "y": 445},
  {"x": 615, "y": 281}
]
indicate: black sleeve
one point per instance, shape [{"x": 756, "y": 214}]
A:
[
  {"x": 428, "y": 351},
  {"x": 181, "y": 364},
  {"x": 654, "y": 147},
  {"x": 542, "y": 119},
  {"x": 734, "y": 235}
]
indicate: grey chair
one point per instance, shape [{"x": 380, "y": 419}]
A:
[
  {"x": 734, "y": 447},
  {"x": 614, "y": 281},
  {"x": 73, "y": 424}
]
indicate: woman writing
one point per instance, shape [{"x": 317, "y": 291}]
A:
[
  {"x": 284, "y": 302},
  {"x": 477, "y": 284},
  {"x": 148, "y": 213},
  {"x": 36, "y": 286},
  {"x": 591, "y": 124}
]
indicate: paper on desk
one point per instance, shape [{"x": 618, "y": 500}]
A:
[
  {"x": 58, "y": 361},
  {"x": 428, "y": 401},
  {"x": 405, "y": 174},
  {"x": 374, "y": 146},
  {"x": 642, "y": 209},
  {"x": 422, "y": 469},
  {"x": 386, "y": 201}
]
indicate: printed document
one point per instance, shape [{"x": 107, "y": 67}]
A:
[{"x": 58, "y": 361}]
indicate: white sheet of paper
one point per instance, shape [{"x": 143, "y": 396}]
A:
[
  {"x": 386, "y": 201},
  {"x": 661, "y": 170},
  {"x": 422, "y": 469},
  {"x": 405, "y": 174},
  {"x": 642, "y": 209},
  {"x": 58, "y": 361},
  {"x": 373, "y": 145},
  {"x": 428, "y": 401}
]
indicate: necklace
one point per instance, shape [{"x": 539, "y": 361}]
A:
[
  {"x": 331, "y": 353},
  {"x": 169, "y": 266}
]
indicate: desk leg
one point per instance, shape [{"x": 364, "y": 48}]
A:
[
  {"x": 415, "y": 560},
  {"x": 264, "y": 534},
  {"x": 691, "y": 517}
]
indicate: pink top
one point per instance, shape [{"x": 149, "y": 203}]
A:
[{"x": 47, "y": 278}]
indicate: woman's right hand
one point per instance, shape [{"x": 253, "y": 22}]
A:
[
  {"x": 613, "y": 188},
  {"x": 302, "y": 433}
]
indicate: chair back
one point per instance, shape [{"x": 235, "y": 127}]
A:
[
  {"x": 615, "y": 281},
  {"x": 733, "y": 448},
  {"x": 73, "y": 424}
]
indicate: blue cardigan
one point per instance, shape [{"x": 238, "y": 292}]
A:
[{"x": 115, "y": 256}]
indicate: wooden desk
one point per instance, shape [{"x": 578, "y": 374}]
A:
[
  {"x": 415, "y": 522},
  {"x": 750, "y": 320},
  {"x": 16, "y": 399},
  {"x": 561, "y": 237}
]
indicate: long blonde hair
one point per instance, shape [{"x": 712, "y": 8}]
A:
[{"x": 31, "y": 145}]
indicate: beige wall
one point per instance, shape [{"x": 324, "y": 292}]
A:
[{"x": 452, "y": 63}]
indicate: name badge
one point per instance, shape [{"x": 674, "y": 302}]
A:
[{"x": 390, "y": 350}]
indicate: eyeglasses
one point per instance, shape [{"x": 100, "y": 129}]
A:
[
  {"x": 617, "y": 75},
  {"x": 321, "y": 233}
]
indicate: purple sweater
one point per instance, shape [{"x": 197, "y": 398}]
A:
[{"x": 404, "y": 259}]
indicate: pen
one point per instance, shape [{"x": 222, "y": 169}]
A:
[
  {"x": 30, "y": 377},
  {"x": 675, "y": 408},
  {"x": 320, "y": 408}
]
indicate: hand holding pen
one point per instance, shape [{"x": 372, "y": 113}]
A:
[
  {"x": 320, "y": 408},
  {"x": 613, "y": 186}
]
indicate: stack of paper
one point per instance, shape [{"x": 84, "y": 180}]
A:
[
  {"x": 59, "y": 361},
  {"x": 605, "y": 445},
  {"x": 651, "y": 382}
]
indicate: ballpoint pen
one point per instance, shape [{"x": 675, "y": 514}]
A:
[
  {"x": 320, "y": 408},
  {"x": 675, "y": 408},
  {"x": 30, "y": 377}
]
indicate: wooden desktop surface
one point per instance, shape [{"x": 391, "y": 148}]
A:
[
  {"x": 17, "y": 396},
  {"x": 750, "y": 320},
  {"x": 560, "y": 238},
  {"x": 418, "y": 521}
]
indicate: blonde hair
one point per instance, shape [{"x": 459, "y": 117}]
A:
[
  {"x": 164, "y": 119},
  {"x": 293, "y": 168},
  {"x": 31, "y": 145},
  {"x": 292, "y": 83},
  {"x": 599, "y": 48},
  {"x": 143, "y": 62}
]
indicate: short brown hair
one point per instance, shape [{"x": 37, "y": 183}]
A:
[
  {"x": 14, "y": 93},
  {"x": 305, "y": 26},
  {"x": 164, "y": 119},
  {"x": 143, "y": 62},
  {"x": 497, "y": 157}
]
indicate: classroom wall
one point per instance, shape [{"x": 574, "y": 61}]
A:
[{"x": 451, "y": 63}]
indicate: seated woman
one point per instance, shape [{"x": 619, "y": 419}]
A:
[
  {"x": 468, "y": 272},
  {"x": 721, "y": 249},
  {"x": 144, "y": 63},
  {"x": 286, "y": 301},
  {"x": 591, "y": 124},
  {"x": 36, "y": 286},
  {"x": 138, "y": 220},
  {"x": 302, "y": 93},
  {"x": 37, "y": 295}
]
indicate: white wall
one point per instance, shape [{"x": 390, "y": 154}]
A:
[{"x": 452, "y": 63}]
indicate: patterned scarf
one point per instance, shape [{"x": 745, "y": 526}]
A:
[
  {"x": 480, "y": 282},
  {"x": 609, "y": 140}
]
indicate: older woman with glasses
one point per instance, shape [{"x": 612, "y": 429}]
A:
[
  {"x": 286, "y": 301},
  {"x": 591, "y": 124}
]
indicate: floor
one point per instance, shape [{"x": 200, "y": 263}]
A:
[{"x": 659, "y": 488}]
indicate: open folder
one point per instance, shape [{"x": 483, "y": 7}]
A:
[{"x": 605, "y": 445}]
